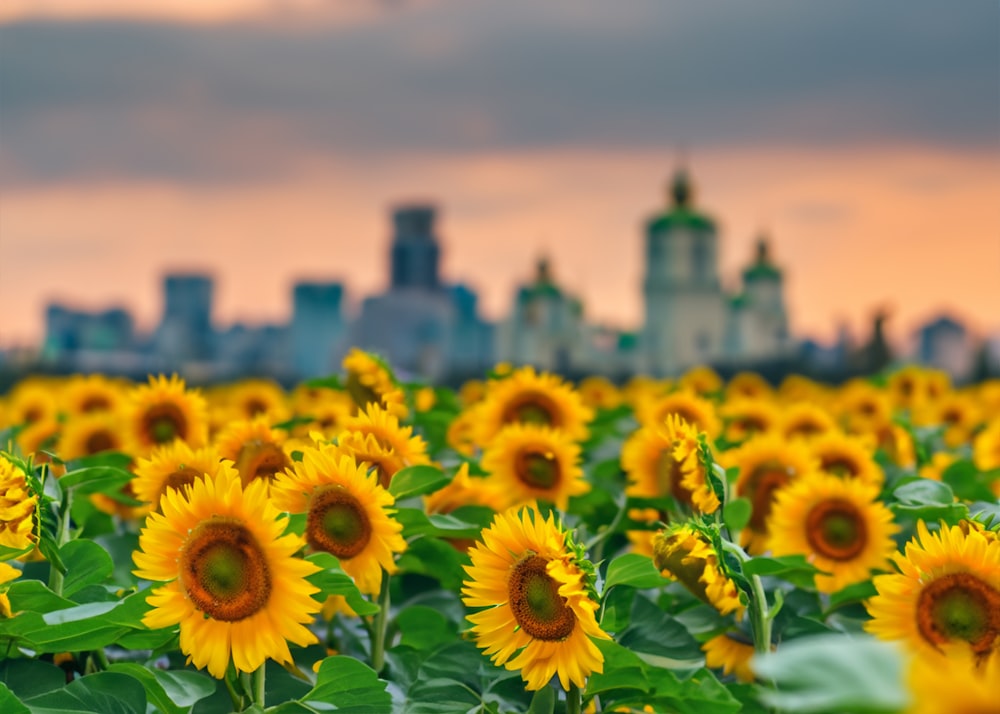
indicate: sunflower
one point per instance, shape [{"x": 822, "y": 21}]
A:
[
  {"x": 838, "y": 524},
  {"x": 39, "y": 436},
  {"x": 796, "y": 388},
  {"x": 641, "y": 388},
  {"x": 174, "y": 467},
  {"x": 7, "y": 573},
  {"x": 348, "y": 513},
  {"x": 958, "y": 413},
  {"x": 17, "y": 508},
  {"x": 461, "y": 434},
  {"x": 85, "y": 394},
  {"x": 164, "y": 410},
  {"x": 252, "y": 398},
  {"x": 379, "y": 459},
  {"x": 530, "y": 397},
  {"x": 750, "y": 385},
  {"x": 257, "y": 450},
  {"x": 327, "y": 413},
  {"x": 986, "y": 447},
  {"x": 897, "y": 443},
  {"x": 953, "y": 684},
  {"x": 665, "y": 460},
  {"x": 693, "y": 409},
  {"x": 703, "y": 381},
  {"x": 31, "y": 401},
  {"x": 538, "y": 591},
  {"x": 863, "y": 408},
  {"x": 529, "y": 462},
  {"x": 465, "y": 490},
  {"x": 913, "y": 386},
  {"x": 232, "y": 581},
  {"x": 472, "y": 392},
  {"x": 684, "y": 554},
  {"x": 746, "y": 417},
  {"x": 731, "y": 652},
  {"x": 599, "y": 393},
  {"x": 370, "y": 381},
  {"x": 806, "y": 420},
  {"x": 939, "y": 463},
  {"x": 765, "y": 464},
  {"x": 91, "y": 433},
  {"x": 385, "y": 428},
  {"x": 946, "y": 593},
  {"x": 847, "y": 457}
]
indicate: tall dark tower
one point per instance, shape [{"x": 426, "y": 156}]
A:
[{"x": 415, "y": 251}]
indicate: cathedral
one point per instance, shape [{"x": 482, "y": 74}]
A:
[{"x": 689, "y": 318}]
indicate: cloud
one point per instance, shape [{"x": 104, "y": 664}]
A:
[{"x": 242, "y": 100}]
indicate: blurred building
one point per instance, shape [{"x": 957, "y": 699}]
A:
[
  {"x": 945, "y": 343},
  {"x": 412, "y": 322},
  {"x": 318, "y": 329},
  {"x": 689, "y": 319},
  {"x": 185, "y": 332},
  {"x": 545, "y": 326}
]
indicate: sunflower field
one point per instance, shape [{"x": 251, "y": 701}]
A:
[{"x": 525, "y": 544}]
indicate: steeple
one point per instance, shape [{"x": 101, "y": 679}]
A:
[
  {"x": 762, "y": 267},
  {"x": 681, "y": 189}
]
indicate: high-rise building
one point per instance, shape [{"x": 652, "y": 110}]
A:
[
  {"x": 318, "y": 328},
  {"x": 415, "y": 252},
  {"x": 185, "y": 332}
]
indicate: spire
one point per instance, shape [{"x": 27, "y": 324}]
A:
[
  {"x": 763, "y": 250},
  {"x": 543, "y": 272},
  {"x": 681, "y": 189}
]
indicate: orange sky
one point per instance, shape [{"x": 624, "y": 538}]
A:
[{"x": 909, "y": 227}]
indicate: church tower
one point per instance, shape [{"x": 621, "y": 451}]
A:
[{"x": 685, "y": 309}]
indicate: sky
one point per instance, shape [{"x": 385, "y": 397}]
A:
[{"x": 267, "y": 141}]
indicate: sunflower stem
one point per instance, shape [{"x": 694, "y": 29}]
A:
[
  {"x": 257, "y": 685},
  {"x": 236, "y": 698},
  {"x": 62, "y": 537},
  {"x": 380, "y": 625},
  {"x": 573, "y": 699},
  {"x": 760, "y": 621}
]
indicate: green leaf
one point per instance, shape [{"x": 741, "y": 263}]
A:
[
  {"x": 87, "y": 563},
  {"x": 424, "y": 628},
  {"x": 968, "y": 482},
  {"x": 417, "y": 480},
  {"x": 852, "y": 593},
  {"x": 809, "y": 674},
  {"x": 30, "y": 677},
  {"x": 616, "y": 610},
  {"x": 351, "y": 686},
  {"x": 8, "y": 553},
  {"x": 543, "y": 702},
  {"x": 924, "y": 492},
  {"x": 435, "y": 558},
  {"x": 633, "y": 570},
  {"x": 655, "y": 632},
  {"x": 623, "y": 669},
  {"x": 10, "y": 704},
  {"x": 172, "y": 692},
  {"x": 332, "y": 580},
  {"x": 465, "y": 522},
  {"x": 104, "y": 692},
  {"x": 90, "y": 610},
  {"x": 34, "y": 596},
  {"x": 736, "y": 514},
  {"x": 794, "y": 569},
  {"x": 96, "y": 479}
]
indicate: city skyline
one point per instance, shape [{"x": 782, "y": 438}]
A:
[{"x": 862, "y": 139}]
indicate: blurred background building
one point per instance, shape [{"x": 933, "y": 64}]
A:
[{"x": 430, "y": 329}]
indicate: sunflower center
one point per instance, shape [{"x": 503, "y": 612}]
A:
[
  {"x": 536, "y": 603},
  {"x": 183, "y": 476},
  {"x": 537, "y": 469},
  {"x": 99, "y": 441},
  {"x": 959, "y": 606},
  {"x": 260, "y": 459},
  {"x": 32, "y": 414},
  {"x": 835, "y": 530},
  {"x": 95, "y": 403},
  {"x": 839, "y": 465},
  {"x": 532, "y": 408},
  {"x": 224, "y": 570},
  {"x": 805, "y": 428},
  {"x": 668, "y": 476},
  {"x": 763, "y": 482},
  {"x": 254, "y": 406},
  {"x": 163, "y": 423},
  {"x": 337, "y": 523}
]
